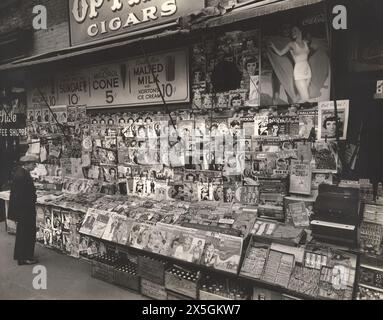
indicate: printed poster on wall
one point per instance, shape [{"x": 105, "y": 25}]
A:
[{"x": 295, "y": 58}]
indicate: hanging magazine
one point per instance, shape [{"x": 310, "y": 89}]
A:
[{"x": 300, "y": 178}]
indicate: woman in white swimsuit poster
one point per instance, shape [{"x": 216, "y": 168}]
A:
[
  {"x": 299, "y": 50},
  {"x": 296, "y": 63}
]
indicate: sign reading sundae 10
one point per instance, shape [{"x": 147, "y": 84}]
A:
[{"x": 97, "y": 19}]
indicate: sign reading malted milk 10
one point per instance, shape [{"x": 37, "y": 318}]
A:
[
  {"x": 121, "y": 84},
  {"x": 97, "y": 19}
]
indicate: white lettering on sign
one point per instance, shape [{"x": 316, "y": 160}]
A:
[{"x": 91, "y": 19}]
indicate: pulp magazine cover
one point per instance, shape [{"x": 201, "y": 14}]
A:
[
  {"x": 89, "y": 221},
  {"x": 300, "y": 178}
]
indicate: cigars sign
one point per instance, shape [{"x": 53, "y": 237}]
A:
[
  {"x": 98, "y": 19},
  {"x": 127, "y": 83}
]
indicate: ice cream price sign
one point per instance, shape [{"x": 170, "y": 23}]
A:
[{"x": 129, "y": 83}]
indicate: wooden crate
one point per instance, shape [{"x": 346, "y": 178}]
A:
[
  {"x": 152, "y": 269},
  {"x": 153, "y": 290},
  {"x": 102, "y": 271},
  {"x": 204, "y": 295},
  {"x": 181, "y": 286},
  {"x": 176, "y": 296},
  {"x": 127, "y": 280}
]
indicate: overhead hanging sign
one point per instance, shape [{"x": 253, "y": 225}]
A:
[
  {"x": 123, "y": 84},
  {"x": 98, "y": 19}
]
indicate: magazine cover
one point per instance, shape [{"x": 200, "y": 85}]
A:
[
  {"x": 47, "y": 217},
  {"x": 307, "y": 201},
  {"x": 159, "y": 241},
  {"x": 187, "y": 246},
  {"x": 56, "y": 219},
  {"x": 89, "y": 221},
  {"x": 300, "y": 178},
  {"x": 139, "y": 235},
  {"x": 308, "y": 124},
  {"x": 328, "y": 122},
  {"x": 116, "y": 230},
  {"x": 93, "y": 247},
  {"x": 222, "y": 253},
  {"x": 83, "y": 245},
  {"x": 48, "y": 237},
  {"x": 100, "y": 224},
  {"x": 319, "y": 178},
  {"x": 203, "y": 191},
  {"x": 40, "y": 216},
  {"x": 66, "y": 242},
  {"x": 299, "y": 214},
  {"x": 57, "y": 239},
  {"x": 326, "y": 156}
]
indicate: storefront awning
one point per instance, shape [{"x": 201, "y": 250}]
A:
[
  {"x": 257, "y": 9},
  {"x": 81, "y": 50}
]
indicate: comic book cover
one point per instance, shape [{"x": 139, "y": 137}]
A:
[{"x": 89, "y": 221}]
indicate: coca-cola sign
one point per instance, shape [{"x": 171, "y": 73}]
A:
[{"x": 97, "y": 19}]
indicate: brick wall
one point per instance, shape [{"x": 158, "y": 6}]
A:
[{"x": 20, "y": 16}]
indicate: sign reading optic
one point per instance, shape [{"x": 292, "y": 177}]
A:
[{"x": 97, "y": 19}]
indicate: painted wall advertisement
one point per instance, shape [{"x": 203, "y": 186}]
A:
[
  {"x": 98, "y": 19},
  {"x": 130, "y": 83}
]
